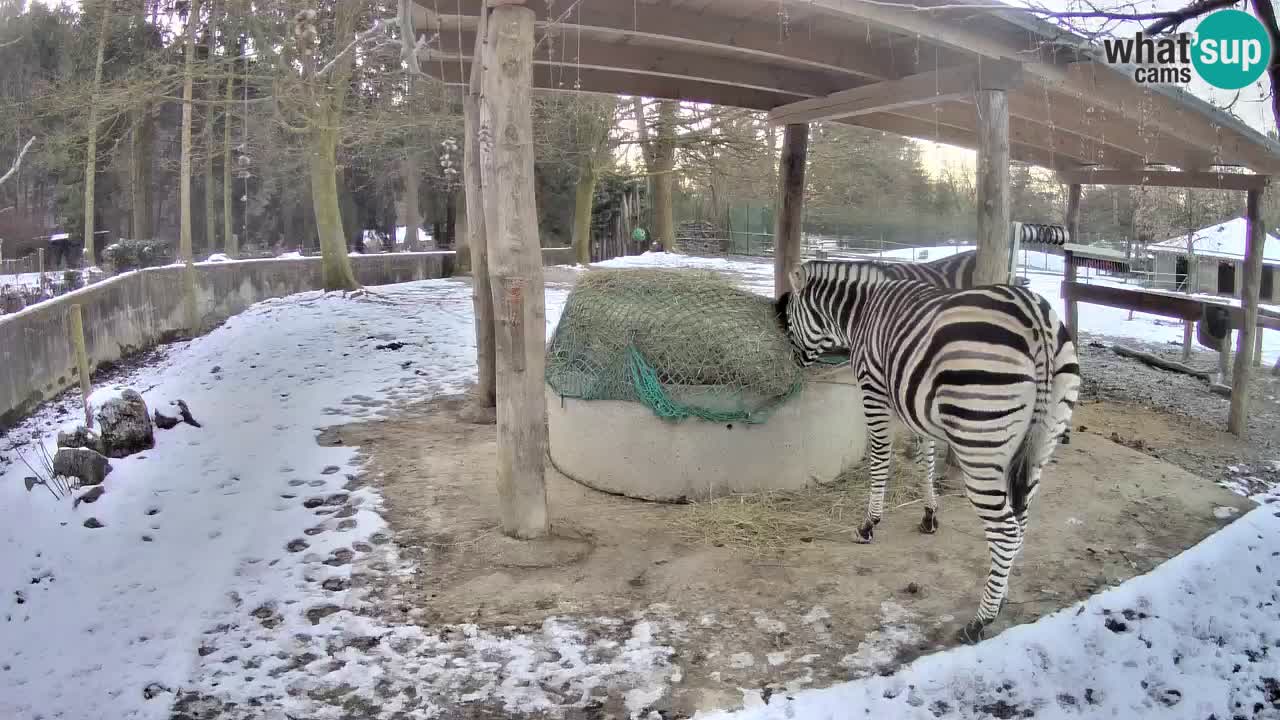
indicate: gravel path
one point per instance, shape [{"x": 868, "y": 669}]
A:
[{"x": 1108, "y": 376}]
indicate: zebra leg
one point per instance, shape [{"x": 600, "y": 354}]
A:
[
  {"x": 879, "y": 446},
  {"x": 929, "y": 523},
  {"x": 1004, "y": 540}
]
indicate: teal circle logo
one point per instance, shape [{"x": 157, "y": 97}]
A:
[{"x": 1231, "y": 50}]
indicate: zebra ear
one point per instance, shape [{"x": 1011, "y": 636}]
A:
[{"x": 796, "y": 278}]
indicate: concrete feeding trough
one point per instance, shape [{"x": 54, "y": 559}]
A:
[{"x": 623, "y": 448}]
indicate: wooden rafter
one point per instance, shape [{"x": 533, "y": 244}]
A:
[
  {"x": 745, "y": 37},
  {"x": 1165, "y": 178},
  {"x": 954, "y": 83}
]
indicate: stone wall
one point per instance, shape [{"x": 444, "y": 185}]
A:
[{"x": 137, "y": 310}]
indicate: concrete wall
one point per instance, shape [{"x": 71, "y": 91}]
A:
[
  {"x": 137, "y": 310},
  {"x": 623, "y": 448}
]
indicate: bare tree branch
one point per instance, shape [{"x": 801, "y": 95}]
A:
[
  {"x": 17, "y": 163},
  {"x": 1267, "y": 14},
  {"x": 1172, "y": 20}
]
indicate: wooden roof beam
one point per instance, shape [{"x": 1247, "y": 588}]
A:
[
  {"x": 1081, "y": 150},
  {"x": 1102, "y": 86},
  {"x": 1166, "y": 178},
  {"x": 727, "y": 36},
  {"x": 919, "y": 129},
  {"x": 626, "y": 57},
  {"x": 1039, "y": 105},
  {"x": 559, "y": 78},
  {"x": 923, "y": 89},
  {"x": 940, "y": 31}
]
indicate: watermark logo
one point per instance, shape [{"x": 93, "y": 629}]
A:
[{"x": 1229, "y": 50}]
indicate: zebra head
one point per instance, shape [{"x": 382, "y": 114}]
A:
[{"x": 809, "y": 332}]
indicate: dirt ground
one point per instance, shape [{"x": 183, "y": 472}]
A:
[{"x": 818, "y": 611}]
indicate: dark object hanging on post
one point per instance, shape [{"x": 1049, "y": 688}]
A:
[{"x": 1213, "y": 326}]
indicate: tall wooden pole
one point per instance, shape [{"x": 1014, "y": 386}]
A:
[
  {"x": 1073, "y": 231},
  {"x": 992, "y": 264},
  {"x": 515, "y": 264},
  {"x": 1238, "y": 420},
  {"x": 477, "y": 253},
  {"x": 788, "y": 234}
]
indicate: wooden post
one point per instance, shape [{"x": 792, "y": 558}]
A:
[
  {"x": 40, "y": 267},
  {"x": 992, "y": 264},
  {"x": 788, "y": 230},
  {"x": 1238, "y": 420},
  {"x": 1224, "y": 360},
  {"x": 1188, "y": 330},
  {"x": 511, "y": 227},
  {"x": 75, "y": 319},
  {"x": 477, "y": 247},
  {"x": 1072, "y": 308},
  {"x": 1257, "y": 349}
]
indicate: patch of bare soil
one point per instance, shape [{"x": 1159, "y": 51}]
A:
[{"x": 811, "y": 612}]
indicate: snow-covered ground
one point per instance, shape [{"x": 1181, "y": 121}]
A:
[{"x": 213, "y": 573}]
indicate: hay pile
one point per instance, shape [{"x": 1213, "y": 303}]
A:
[
  {"x": 767, "y": 523},
  {"x": 649, "y": 336}
]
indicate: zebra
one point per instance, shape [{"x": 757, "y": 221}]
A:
[
  {"x": 990, "y": 371},
  {"x": 954, "y": 272}
]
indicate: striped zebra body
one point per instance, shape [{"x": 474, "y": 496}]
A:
[{"x": 991, "y": 372}]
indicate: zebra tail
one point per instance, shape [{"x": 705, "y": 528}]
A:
[{"x": 1037, "y": 435}]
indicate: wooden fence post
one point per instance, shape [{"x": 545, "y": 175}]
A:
[
  {"x": 515, "y": 263},
  {"x": 40, "y": 267},
  {"x": 477, "y": 243},
  {"x": 1072, "y": 308},
  {"x": 75, "y": 320},
  {"x": 789, "y": 223},
  {"x": 1238, "y": 420},
  {"x": 992, "y": 263}
]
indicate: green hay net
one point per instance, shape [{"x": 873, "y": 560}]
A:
[{"x": 683, "y": 343}]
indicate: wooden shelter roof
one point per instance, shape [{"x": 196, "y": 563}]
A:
[{"x": 882, "y": 64}]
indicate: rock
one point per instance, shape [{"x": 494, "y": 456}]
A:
[
  {"x": 89, "y": 496},
  {"x": 89, "y": 466},
  {"x": 216, "y": 369},
  {"x": 185, "y": 412},
  {"x": 164, "y": 422},
  {"x": 93, "y": 524},
  {"x": 81, "y": 437},
  {"x": 125, "y": 425}
]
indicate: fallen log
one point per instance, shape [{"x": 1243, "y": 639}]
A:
[{"x": 1159, "y": 362}]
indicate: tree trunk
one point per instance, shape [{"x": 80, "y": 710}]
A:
[
  {"x": 140, "y": 173},
  {"x": 412, "y": 215},
  {"x": 511, "y": 217},
  {"x": 323, "y": 162},
  {"x": 477, "y": 257},
  {"x": 91, "y": 148},
  {"x": 210, "y": 195},
  {"x": 663, "y": 171},
  {"x": 185, "y": 250},
  {"x": 584, "y": 199},
  {"x": 232, "y": 247}
]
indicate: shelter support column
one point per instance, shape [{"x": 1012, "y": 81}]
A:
[
  {"x": 1072, "y": 221},
  {"x": 1238, "y": 420},
  {"x": 992, "y": 265},
  {"x": 788, "y": 233},
  {"x": 515, "y": 266},
  {"x": 477, "y": 257}
]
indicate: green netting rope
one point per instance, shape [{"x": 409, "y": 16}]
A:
[{"x": 650, "y": 392}]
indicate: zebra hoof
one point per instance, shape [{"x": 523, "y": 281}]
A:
[
  {"x": 973, "y": 632},
  {"x": 929, "y": 523},
  {"x": 867, "y": 532}
]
